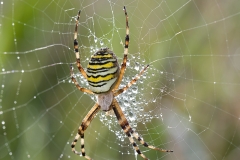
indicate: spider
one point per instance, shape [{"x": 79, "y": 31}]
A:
[{"x": 104, "y": 76}]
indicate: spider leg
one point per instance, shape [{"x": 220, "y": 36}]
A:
[
  {"x": 140, "y": 139},
  {"x": 126, "y": 127},
  {"x": 77, "y": 85},
  {"x": 131, "y": 82},
  {"x": 129, "y": 131},
  {"x": 80, "y": 68},
  {"x": 123, "y": 66},
  {"x": 85, "y": 123}
]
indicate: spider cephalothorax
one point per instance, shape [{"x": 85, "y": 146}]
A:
[{"x": 104, "y": 76}]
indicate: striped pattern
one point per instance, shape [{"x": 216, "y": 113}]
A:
[
  {"x": 123, "y": 66},
  {"x": 102, "y": 71},
  {"x": 126, "y": 127},
  {"x": 85, "y": 123},
  {"x": 103, "y": 75},
  {"x": 131, "y": 133}
]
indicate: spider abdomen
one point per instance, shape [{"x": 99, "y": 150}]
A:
[{"x": 102, "y": 71}]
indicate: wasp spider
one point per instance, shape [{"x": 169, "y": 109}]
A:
[{"x": 104, "y": 76}]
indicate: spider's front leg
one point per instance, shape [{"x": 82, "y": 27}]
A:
[
  {"x": 129, "y": 131},
  {"x": 80, "y": 68},
  {"x": 85, "y": 123},
  {"x": 124, "y": 63}
]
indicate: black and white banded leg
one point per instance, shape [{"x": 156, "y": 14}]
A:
[
  {"x": 130, "y": 133},
  {"x": 85, "y": 123},
  {"x": 124, "y": 63}
]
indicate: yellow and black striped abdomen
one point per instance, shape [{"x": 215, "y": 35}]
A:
[{"x": 102, "y": 71}]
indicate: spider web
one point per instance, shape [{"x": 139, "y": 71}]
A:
[{"x": 187, "y": 101}]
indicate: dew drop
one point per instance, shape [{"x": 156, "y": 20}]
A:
[
  {"x": 132, "y": 117},
  {"x": 190, "y": 118},
  {"x": 95, "y": 39},
  {"x": 126, "y": 103},
  {"x": 136, "y": 67},
  {"x": 134, "y": 89}
]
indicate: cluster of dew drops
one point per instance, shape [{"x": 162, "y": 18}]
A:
[{"x": 132, "y": 101}]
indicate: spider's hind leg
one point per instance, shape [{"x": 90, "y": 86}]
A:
[
  {"x": 85, "y": 123},
  {"x": 130, "y": 133},
  {"x": 126, "y": 127},
  {"x": 140, "y": 139}
]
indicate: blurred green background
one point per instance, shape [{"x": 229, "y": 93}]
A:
[{"x": 188, "y": 100}]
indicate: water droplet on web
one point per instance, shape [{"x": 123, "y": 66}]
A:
[
  {"x": 132, "y": 117},
  {"x": 126, "y": 103},
  {"x": 136, "y": 67},
  {"x": 161, "y": 90},
  {"x": 130, "y": 97},
  {"x": 134, "y": 102},
  {"x": 134, "y": 89}
]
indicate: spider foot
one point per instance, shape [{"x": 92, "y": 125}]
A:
[
  {"x": 79, "y": 153},
  {"x": 88, "y": 158},
  {"x": 159, "y": 149}
]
